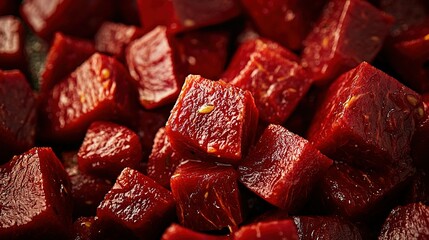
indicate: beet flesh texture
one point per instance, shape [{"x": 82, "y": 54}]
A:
[
  {"x": 35, "y": 197},
  {"x": 207, "y": 196},
  {"x": 177, "y": 232},
  {"x": 212, "y": 120},
  {"x": 282, "y": 168},
  {"x": 12, "y": 41},
  {"x": 137, "y": 203},
  {"x": 419, "y": 149},
  {"x": 97, "y": 90},
  {"x": 282, "y": 229},
  {"x": 407, "y": 222},
  {"x": 347, "y": 33},
  {"x": 367, "y": 119},
  {"x": 17, "y": 114},
  {"x": 325, "y": 227}
]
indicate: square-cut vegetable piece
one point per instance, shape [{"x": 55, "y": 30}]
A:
[
  {"x": 325, "y": 227},
  {"x": 155, "y": 67},
  {"x": 163, "y": 160},
  {"x": 99, "y": 89},
  {"x": 284, "y": 229},
  {"x": 212, "y": 120},
  {"x": 282, "y": 168},
  {"x": 407, "y": 222},
  {"x": 35, "y": 196},
  {"x": 17, "y": 114},
  {"x": 366, "y": 119},
  {"x": 113, "y": 38},
  {"x": 182, "y": 15},
  {"x": 348, "y": 32},
  {"x": 137, "y": 203},
  {"x": 207, "y": 196},
  {"x": 12, "y": 41},
  {"x": 177, "y": 232},
  {"x": 107, "y": 149},
  {"x": 294, "y": 17},
  {"x": 420, "y": 141}
]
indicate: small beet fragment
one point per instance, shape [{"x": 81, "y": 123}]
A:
[
  {"x": 282, "y": 168},
  {"x": 212, "y": 120},
  {"x": 273, "y": 230},
  {"x": 326, "y": 227},
  {"x": 177, "y": 232},
  {"x": 12, "y": 42},
  {"x": 207, "y": 196}
]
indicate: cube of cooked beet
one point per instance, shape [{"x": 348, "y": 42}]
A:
[
  {"x": 137, "y": 203},
  {"x": 407, "y": 222},
  {"x": 367, "y": 119},
  {"x": 348, "y": 33},
  {"x": 177, "y": 232},
  {"x": 212, "y": 120},
  {"x": 12, "y": 41},
  {"x": 282, "y": 168},
  {"x": 17, "y": 114},
  {"x": 207, "y": 196},
  {"x": 34, "y": 197},
  {"x": 107, "y": 149},
  {"x": 325, "y": 227},
  {"x": 181, "y": 15},
  {"x": 97, "y": 90},
  {"x": 284, "y": 229},
  {"x": 155, "y": 67}
]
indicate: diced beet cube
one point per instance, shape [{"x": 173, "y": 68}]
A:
[
  {"x": 12, "y": 42},
  {"x": 163, "y": 160},
  {"x": 107, "y": 149},
  {"x": 113, "y": 38},
  {"x": 212, "y": 120},
  {"x": 83, "y": 229},
  {"x": 207, "y": 196},
  {"x": 420, "y": 141},
  {"x": 97, "y": 90},
  {"x": 348, "y": 33},
  {"x": 155, "y": 67},
  {"x": 17, "y": 114},
  {"x": 181, "y": 15},
  {"x": 407, "y": 222},
  {"x": 8, "y": 7},
  {"x": 282, "y": 168},
  {"x": 367, "y": 119},
  {"x": 34, "y": 197},
  {"x": 284, "y": 229},
  {"x": 325, "y": 227},
  {"x": 177, "y": 232},
  {"x": 137, "y": 203},
  {"x": 294, "y": 17}
]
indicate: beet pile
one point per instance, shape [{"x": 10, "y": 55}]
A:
[{"x": 214, "y": 119}]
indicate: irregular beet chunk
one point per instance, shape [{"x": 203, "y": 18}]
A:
[
  {"x": 34, "y": 197},
  {"x": 212, "y": 120},
  {"x": 282, "y": 168},
  {"x": 407, "y": 222},
  {"x": 326, "y": 227},
  {"x": 348, "y": 33},
  {"x": 12, "y": 52},
  {"x": 177, "y": 232},
  {"x": 275, "y": 230},
  {"x": 207, "y": 196},
  {"x": 137, "y": 203},
  {"x": 367, "y": 119},
  {"x": 17, "y": 114}
]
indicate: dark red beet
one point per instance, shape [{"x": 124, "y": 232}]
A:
[
  {"x": 274, "y": 230},
  {"x": 177, "y": 232},
  {"x": 12, "y": 52},
  {"x": 207, "y": 196},
  {"x": 17, "y": 114},
  {"x": 419, "y": 149},
  {"x": 418, "y": 190},
  {"x": 107, "y": 149},
  {"x": 83, "y": 229},
  {"x": 128, "y": 12},
  {"x": 282, "y": 168},
  {"x": 319, "y": 227},
  {"x": 137, "y": 203},
  {"x": 348, "y": 33},
  {"x": 407, "y": 222},
  {"x": 34, "y": 197},
  {"x": 212, "y": 120}
]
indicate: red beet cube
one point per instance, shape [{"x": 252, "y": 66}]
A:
[
  {"x": 282, "y": 168},
  {"x": 97, "y": 90},
  {"x": 284, "y": 229},
  {"x": 107, "y": 149},
  {"x": 181, "y": 15},
  {"x": 154, "y": 66},
  {"x": 366, "y": 122},
  {"x": 137, "y": 203},
  {"x": 325, "y": 227},
  {"x": 420, "y": 141},
  {"x": 407, "y": 222},
  {"x": 12, "y": 41},
  {"x": 207, "y": 196},
  {"x": 34, "y": 197},
  {"x": 348, "y": 33},
  {"x": 17, "y": 114},
  {"x": 212, "y": 120},
  {"x": 177, "y": 232}
]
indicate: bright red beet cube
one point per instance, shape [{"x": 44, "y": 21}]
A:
[
  {"x": 35, "y": 196},
  {"x": 207, "y": 196},
  {"x": 282, "y": 168},
  {"x": 177, "y": 232},
  {"x": 325, "y": 227},
  {"x": 349, "y": 32},
  {"x": 12, "y": 41},
  {"x": 284, "y": 229},
  {"x": 212, "y": 120}
]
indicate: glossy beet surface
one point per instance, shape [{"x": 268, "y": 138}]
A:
[
  {"x": 275, "y": 230},
  {"x": 319, "y": 227},
  {"x": 177, "y": 232},
  {"x": 12, "y": 52}
]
